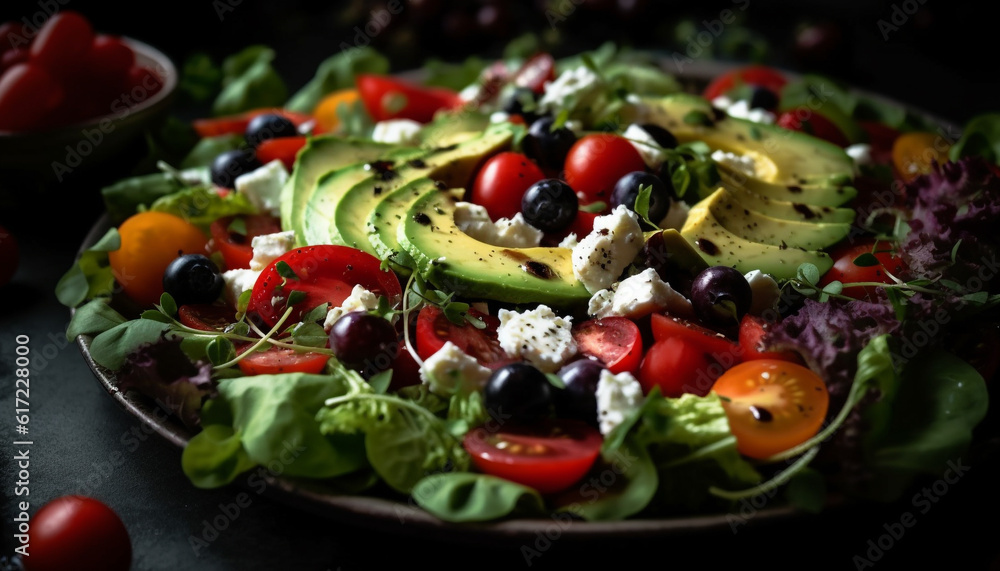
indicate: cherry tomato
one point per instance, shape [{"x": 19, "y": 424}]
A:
[
  {"x": 677, "y": 365},
  {"x": 235, "y": 246},
  {"x": 206, "y": 316},
  {"x": 237, "y": 124},
  {"x": 614, "y": 341},
  {"x": 536, "y": 72},
  {"x": 717, "y": 346},
  {"x": 549, "y": 456},
  {"x": 149, "y": 242},
  {"x": 881, "y": 138},
  {"x": 277, "y": 360},
  {"x": 757, "y": 75},
  {"x": 28, "y": 94},
  {"x": 596, "y": 162},
  {"x": 405, "y": 370},
  {"x": 325, "y": 112},
  {"x": 915, "y": 153},
  {"x": 63, "y": 43},
  {"x": 752, "y": 330},
  {"x": 9, "y": 256},
  {"x": 846, "y": 271},
  {"x": 582, "y": 224},
  {"x": 806, "y": 120},
  {"x": 325, "y": 274},
  {"x": 77, "y": 532},
  {"x": 772, "y": 405},
  {"x": 389, "y": 98},
  {"x": 284, "y": 149},
  {"x": 501, "y": 182},
  {"x": 109, "y": 59},
  {"x": 434, "y": 329}
]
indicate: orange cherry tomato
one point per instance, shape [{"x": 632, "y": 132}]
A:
[
  {"x": 772, "y": 405},
  {"x": 325, "y": 112},
  {"x": 916, "y": 153}
]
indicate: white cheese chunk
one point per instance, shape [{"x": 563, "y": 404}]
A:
[
  {"x": 861, "y": 153},
  {"x": 575, "y": 84},
  {"x": 360, "y": 300},
  {"x": 237, "y": 282},
  {"x": 741, "y": 109},
  {"x": 269, "y": 247},
  {"x": 499, "y": 117},
  {"x": 474, "y": 220},
  {"x": 538, "y": 336},
  {"x": 601, "y": 256},
  {"x": 617, "y": 396},
  {"x": 744, "y": 164},
  {"x": 647, "y": 146},
  {"x": 638, "y": 296},
  {"x": 396, "y": 131},
  {"x": 262, "y": 186},
  {"x": 677, "y": 215},
  {"x": 451, "y": 371},
  {"x": 765, "y": 291},
  {"x": 570, "y": 241}
]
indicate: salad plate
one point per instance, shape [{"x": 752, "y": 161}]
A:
[{"x": 379, "y": 511}]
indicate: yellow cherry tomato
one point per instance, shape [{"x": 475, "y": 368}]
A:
[
  {"x": 772, "y": 405},
  {"x": 325, "y": 112},
  {"x": 149, "y": 242},
  {"x": 915, "y": 153}
]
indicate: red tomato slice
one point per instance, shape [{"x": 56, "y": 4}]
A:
[
  {"x": 808, "y": 121},
  {"x": 206, "y": 316},
  {"x": 284, "y": 149},
  {"x": 752, "y": 330},
  {"x": 390, "y": 98},
  {"x": 549, "y": 457},
  {"x": 758, "y": 75},
  {"x": 324, "y": 274},
  {"x": 235, "y": 247},
  {"x": 614, "y": 341},
  {"x": 502, "y": 181},
  {"x": 717, "y": 346},
  {"x": 276, "y": 360},
  {"x": 237, "y": 124},
  {"x": 434, "y": 329},
  {"x": 677, "y": 365},
  {"x": 535, "y": 72}
]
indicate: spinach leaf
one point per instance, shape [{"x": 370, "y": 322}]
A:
[
  {"x": 125, "y": 197},
  {"x": 207, "y": 148},
  {"x": 201, "y": 206},
  {"x": 468, "y": 496},
  {"x": 90, "y": 275},
  {"x": 96, "y": 316},
  {"x": 214, "y": 457},
  {"x": 619, "y": 485},
  {"x": 981, "y": 136},
  {"x": 337, "y": 72},
  {"x": 249, "y": 82},
  {"x": 453, "y": 75},
  {"x": 111, "y": 348}
]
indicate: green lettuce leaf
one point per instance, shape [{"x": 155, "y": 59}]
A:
[
  {"x": 201, "y": 206},
  {"x": 469, "y": 497},
  {"x": 337, "y": 72},
  {"x": 249, "y": 82},
  {"x": 981, "y": 136},
  {"x": 90, "y": 275}
]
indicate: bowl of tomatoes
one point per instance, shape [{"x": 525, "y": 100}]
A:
[{"x": 72, "y": 98}]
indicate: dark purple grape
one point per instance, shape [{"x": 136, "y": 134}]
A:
[
  {"x": 550, "y": 205},
  {"x": 578, "y": 400},
  {"x": 663, "y": 137},
  {"x": 193, "y": 278},
  {"x": 627, "y": 190},
  {"x": 268, "y": 126},
  {"x": 721, "y": 295},
  {"x": 364, "y": 342},
  {"x": 658, "y": 255},
  {"x": 763, "y": 98},
  {"x": 548, "y": 146},
  {"x": 229, "y": 165},
  {"x": 519, "y": 392}
]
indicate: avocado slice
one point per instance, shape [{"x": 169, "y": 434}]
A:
[
  {"x": 321, "y": 155},
  {"x": 454, "y": 261},
  {"x": 749, "y": 224},
  {"x": 452, "y": 166},
  {"x": 453, "y": 128},
  {"x": 790, "y": 166},
  {"x": 790, "y": 210},
  {"x": 719, "y": 246},
  {"x": 330, "y": 187}
]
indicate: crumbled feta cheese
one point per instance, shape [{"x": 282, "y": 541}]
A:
[
  {"x": 451, "y": 371},
  {"x": 269, "y": 247},
  {"x": 617, "y": 396},
  {"x": 765, "y": 291},
  {"x": 744, "y": 164},
  {"x": 575, "y": 126},
  {"x": 647, "y": 146},
  {"x": 570, "y": 241},
  {"x": 470, "y": 92},
  {"x": 676, "y": 216},
  {"x": 393, "y": 131},
  {"x": 262, "y": 186},
  {"x": 474, "y": 220},
  {"x": 638, "y": 296},
  {"x": 861, "y": 153},
  {"x": 601, "y": 256},
  {"x": 742, "y": 110},
  {"x": 538, "y": 336},
  {"x": 499, "y": 117},
  {"x": 237, "y": 282},
  {"x": 360, "y": 300},
  {"x": 572, "y": 84}
]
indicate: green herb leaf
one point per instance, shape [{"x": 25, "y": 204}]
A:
[
  {"x": 249, "y": 82},
  {"x": 696, "y": 117},
  {"x": 155, "y": 315},
  {"x": 467, "y": 497},
  {"x": 555, "y": 380},
  {"x": 866, "y": 260},
  {"x": 316, "y": 314},
  {"x": 594, "y": 207},
  {"x": 808, "y": 273},
  {"x": 238, "y": 226},
  {"x": 285, "y": 271},
  {"x": 220, "y": 350},
  {"x": 310, "y": 334},
  {"x": 90, "y": 276},
  {"x": 94, "y": 317},
  {"x": 242, "y": 302},
  {"x": 167, "y": 304},
  {"x": 295, "y": 296},
  {"x": 380, "y": 381}
]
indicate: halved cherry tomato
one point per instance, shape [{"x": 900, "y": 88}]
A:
[
  {"x": 677, "y": 365},
  {"x": 806, "y": 120},
  {"x": 536, "y": 72},
  {"x": 915, "y": 153},
  {"x": 502, "y": 181},
  {"x": 63, "y": 43},
  {"x": 28, "y": 94},
  {"x": 752, "y": 330},
  {"x": 284, "y": 149},
  {"x": 206, "y": 316},
  {"x": 772, "y": 405},
  {"x": 276, "y": 360},
  {"x": 237, "y": 124},
  {"x": 391, "y": 98},
  {"x": 235, "y": 246},
  {"x": 846, "y": 271},
  {"x": 434, "y": 329},
  {"x": 614, "y": 341},
  {"x": 595, "y": 163},
  {"x": 757, "y": 75},
  {"x": 717, "y": 346},
  {"x": 323, "y": 274},
  {"x": 325, "y": 112},
  {"x": 549, "y": 456}
]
